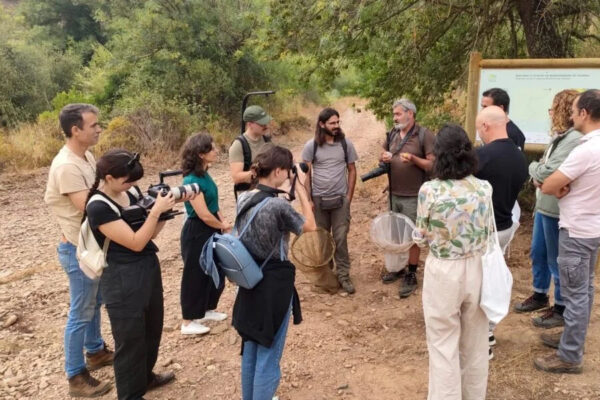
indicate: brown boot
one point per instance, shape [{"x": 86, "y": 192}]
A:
[
  {"x": 551, "y": 339},
  {"x": 84, "y": 385},
  {"x": 99, "y": 359},
  {"x": 552, "y": 363}
]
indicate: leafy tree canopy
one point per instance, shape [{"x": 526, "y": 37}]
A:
[{"x": 420, "y": 48}]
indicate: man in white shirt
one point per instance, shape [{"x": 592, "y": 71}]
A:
[{"x": 576, "y": 184}]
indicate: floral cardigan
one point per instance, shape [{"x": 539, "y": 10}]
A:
[{"x": 453, "y": 217}]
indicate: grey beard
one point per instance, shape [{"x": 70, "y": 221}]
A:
[{"x": 400, "y": 126}]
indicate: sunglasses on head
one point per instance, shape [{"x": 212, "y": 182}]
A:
[{"x": 135, "y": 158}]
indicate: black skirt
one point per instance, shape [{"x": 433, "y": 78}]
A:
[{"x": 198, "y": 291}]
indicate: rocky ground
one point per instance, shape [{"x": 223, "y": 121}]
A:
[{"x": 370, "y": 345}]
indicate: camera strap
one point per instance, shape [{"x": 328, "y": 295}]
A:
[
  {"x": 404, "y": 140},
  {"x": 263, "y": 193}
]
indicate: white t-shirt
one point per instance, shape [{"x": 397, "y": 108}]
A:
[{"x": 580, "y": 208}]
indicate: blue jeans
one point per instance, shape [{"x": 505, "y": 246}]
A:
[
  {"x": 260, "y": 366},
  {"x": 83, "y": 323},
  {"x": 544, "y": 254}
]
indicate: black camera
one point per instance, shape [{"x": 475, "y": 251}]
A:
[
  {"x": 303, "y": 166},
  {"x": 135, "y": 215},
  {"x": 382, "y": 168}
]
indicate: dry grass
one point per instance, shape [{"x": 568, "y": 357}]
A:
[{"x": 30, "y": 146}]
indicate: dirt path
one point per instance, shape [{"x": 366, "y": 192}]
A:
[{"x": 367, "y": 346}]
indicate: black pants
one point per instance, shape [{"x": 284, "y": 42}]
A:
[
  {"x": 133, "y": 293},
  {"x": 198, "y": 291}
]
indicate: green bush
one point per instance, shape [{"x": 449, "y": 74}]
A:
[{"x": 32, "y": 72}]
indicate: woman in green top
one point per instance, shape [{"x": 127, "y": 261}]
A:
[{"x": 199, "y": 296}]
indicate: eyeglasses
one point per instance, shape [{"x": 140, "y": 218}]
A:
[{"x": 135, "y": 157}]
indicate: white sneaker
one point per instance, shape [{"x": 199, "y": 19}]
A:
[
  {"x": 212, "y": 315},
  {"x": 194, "y": 328}
]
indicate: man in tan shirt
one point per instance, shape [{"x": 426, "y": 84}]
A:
[{"x": 71, "y": 175}]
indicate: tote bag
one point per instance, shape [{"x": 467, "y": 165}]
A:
[{"x": 496, "y": 285}]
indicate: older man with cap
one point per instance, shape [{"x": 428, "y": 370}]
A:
[
  {"x": 247, "y": 146},
  {"x": 408, "y": 148}
]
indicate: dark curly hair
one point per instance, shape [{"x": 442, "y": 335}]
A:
[
  {"x": 455, "y": 157},
  {"x": 191, "y": 162}
]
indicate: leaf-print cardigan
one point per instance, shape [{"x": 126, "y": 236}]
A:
[{"x": 453, "y": 217}]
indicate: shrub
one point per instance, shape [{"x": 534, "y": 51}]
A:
[{"x": 31, "y": 145}]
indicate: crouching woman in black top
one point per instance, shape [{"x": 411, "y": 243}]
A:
[
  {"x": 261, "y": 314},
  {"x": 131, "y": 285}
]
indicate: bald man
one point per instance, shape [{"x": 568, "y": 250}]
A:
[
  {"x": 499, "y": 97},
  {"x": 504, "y": 166}
]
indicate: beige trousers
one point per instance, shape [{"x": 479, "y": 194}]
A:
[{"x": 456, "y": 329}]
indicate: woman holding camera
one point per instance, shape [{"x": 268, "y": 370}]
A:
[
  {"x": 131, "y": 285},
  {"x": 261, "y": 315},
  {"x": 199, "y": 296},
  {"x": 453, "y": 218}
]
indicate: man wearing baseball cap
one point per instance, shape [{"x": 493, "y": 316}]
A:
[{"x": 247, "y": 146}]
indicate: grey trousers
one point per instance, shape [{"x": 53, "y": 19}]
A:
[
  {"x": 576, "y": 262},
  {"x": 338, "y": 223}
]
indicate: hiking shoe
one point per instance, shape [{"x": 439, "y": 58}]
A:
[
  {"x": 85, "y": 385},
  {"x": 409, "y": 285},
  {"x": 551, "y": 339},
  {"x": 390, "y": 277},
  {"x": 550, "y": 319},
  {"x": 159, "y": 380},
  {"x": 530, "y": 304},
  {"x": 552, "y": 363},
  {"x": 194, "y": 328},
  {"x": 347, "y": 286},
  {"x": 212, "y": 315},
  {"x": 99, "y": 359},
  {"x": 491, "y": 339}
]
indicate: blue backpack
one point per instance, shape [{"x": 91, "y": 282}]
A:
[{"x": 226, "y": 251}]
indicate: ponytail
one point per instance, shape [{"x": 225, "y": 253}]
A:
[
  {"x": 89, "y": 196},
  {"x": 254, "y": 169}
]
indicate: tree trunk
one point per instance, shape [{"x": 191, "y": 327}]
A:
[{"x": 541, "y": 35}]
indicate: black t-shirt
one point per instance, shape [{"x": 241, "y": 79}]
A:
[
  {"x": 505, "y": 168},
  {"x": 515, "y": 134},
  {"x": 100, "y": 213}
]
